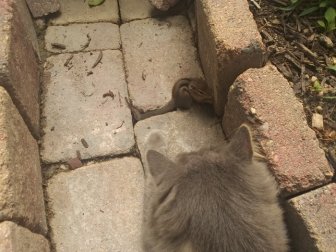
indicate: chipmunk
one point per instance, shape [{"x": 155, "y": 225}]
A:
[{"x": 184, "y": 93}]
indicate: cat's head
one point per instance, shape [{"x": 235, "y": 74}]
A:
[{"x": 240, "y": 147}]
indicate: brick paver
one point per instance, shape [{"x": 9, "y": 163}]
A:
[
  {"x": 81, "y": 106},
  {"x": 312, "y": 220},
  {"x": 21, "y": 196},
  {"x": 181, "y": 131},
  {"x": 157, "y": 53},
  {"x": 264, "y": 98},
  {"x": 99, "y": 207},
  {"x": 135, "y": 9},
  {"x": 79, "y": 11},
  {"x": 18, "y": 63},
  {"x": 228, "y": 42},
  {"x": 14, "y": 238},
  {"x": 83, "y": 37}
]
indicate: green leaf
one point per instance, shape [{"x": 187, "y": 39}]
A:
[
  {"x": 291, "y": 6},
  {"x": 332, "y": 67},
  {"x": 308, "y": 11},
  {"x": 330, "y": 15},
  {"x": 321, "y": 23},
  {"x": 95, "y": 2},
  {"x": 323, "y": 4},
  {"x": 317, "y": 86}
]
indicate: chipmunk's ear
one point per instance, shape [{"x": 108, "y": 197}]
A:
[
  {"x": 241, "y": 143},
  {"x": 158, "y": 164}
]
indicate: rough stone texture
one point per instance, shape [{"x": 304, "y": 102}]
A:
[
  {"x": 265, "y": 99},
  {"x": 27, "y": 23},
  {"x": 79, "y": 11},
  {"x": 75, "y": 109},
  {"x": 135, "y": 9},
  {"x": 229, "y": 43},
  {"x": 157, "y": 54},
  {"x": 21, "y": 196},
  {"x": 14, "y": 238},
  {"x": 311, "y": 220},
  {"x": 18, "y": 64},
  {"x": 182, "y": 131},
  {"x": 76, "y": 36},
  {"x": 164, "y": 4},
  {"x": 99, "y": 207},
  {"x": 41, "y": 8}
]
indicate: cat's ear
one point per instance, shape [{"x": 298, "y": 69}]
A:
[
  {"x": 158, "y": 163},
  {"x": 241, "y": 143}
]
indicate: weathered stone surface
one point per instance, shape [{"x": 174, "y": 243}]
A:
[
  {"x": 79, "y": 11},
  {"x": 182, "y": 131},
  {"x": 21, "y": 196},
  {"x": 76, "y": 108},
  {"x": 99, "y": 207},
  {"x": 164, "y": 4},
  {"x": 40, "y": 8},
  {"x": 27, "y": 22},
  {"x": 229, "y": 43},
  {"x": 14, "y": 238},
  {"x": 265, "y": 99},
  {"x": 135, "y": 9},
  {"x": 312, "y": 220},
  {"x": 157, "y": 54},
  {"x": 75, "y": 37},
  {"x": 18, "y": 64}
]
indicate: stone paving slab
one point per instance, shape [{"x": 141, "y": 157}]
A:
[
  {"x": 98, "y": 207},
  {"x": 40, "y": 8},
  {"x": 76, "y": 37},
  {"x": 182, "y": 131},
  {"x": 21, "y": 195},
  {"x": 312, "y": 220},
  {"x": 264, "y": 98},
  {"x": 76, "y": 114},
  {"x": 79, "y": 12},
  {"x": 135, "y": 9},
  {"x": 157, "y": 54},
  {"x": 14, "y": 238},
  {"x": 18, "y": 63},
  {"x": 229, "y": 43}
]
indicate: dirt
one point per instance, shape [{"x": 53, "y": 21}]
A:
[{"x": 301, "y": 51}]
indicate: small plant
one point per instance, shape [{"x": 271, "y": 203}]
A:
[
  {"x": 327, "y": 7},
  {"x": 329, "y": 22}
]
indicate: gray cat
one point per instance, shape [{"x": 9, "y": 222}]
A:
[{"x": 213, "y": 200}]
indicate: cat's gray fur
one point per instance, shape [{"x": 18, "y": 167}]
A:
[{"x": 213, "y": 200}]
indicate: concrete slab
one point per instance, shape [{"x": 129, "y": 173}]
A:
[
  {"x": 84, "y": 108},
  {"x": 264, "y": 99},
  {"x": 312, "y": 220},
  {"x": 79, "y": 11},
  {"x": 21, "y": 195},
  {"x": 157, "y": 54},
  {"x": 182, "y": 131},
  {"x": 83, "y": 37},
  {"x": 99, "y": 207},
  {"x": 229, "y": 43},
  {"x": 135, "y": 9},
  {"x": 14, "y": 238}
]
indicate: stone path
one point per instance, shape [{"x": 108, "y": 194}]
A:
[{"x": 98, "y": 207}]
